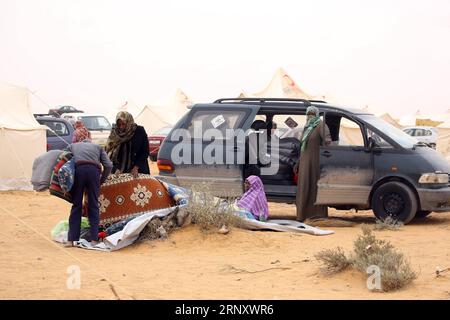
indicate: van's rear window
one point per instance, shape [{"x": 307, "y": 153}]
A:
[{"x": 210, "y": 119}]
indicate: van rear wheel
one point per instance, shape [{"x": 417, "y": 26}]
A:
[{"x": 395, "y": 200}]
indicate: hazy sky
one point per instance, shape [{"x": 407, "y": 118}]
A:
[{"x": 391, "y": 55}]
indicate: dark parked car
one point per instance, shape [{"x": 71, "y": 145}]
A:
[
  {"x": 156, "y": 139},
  {"x": 59, "y": 134},
  {"x": 63, "y": 109},
  {"x": 379, "y": 168}
]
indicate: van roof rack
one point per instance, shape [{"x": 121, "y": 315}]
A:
[{"x": 264, "y": 100}]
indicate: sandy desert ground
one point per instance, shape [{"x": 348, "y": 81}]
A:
[{"x": 191, "y": 265}]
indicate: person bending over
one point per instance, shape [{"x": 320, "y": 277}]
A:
[{"x": 89, "y": 158}]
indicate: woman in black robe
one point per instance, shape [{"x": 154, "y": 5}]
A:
[{"x": 128, "y": 147}]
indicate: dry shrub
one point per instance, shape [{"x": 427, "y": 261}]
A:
[
  {"x": 209, "y": 212},
  {"x": 333, "y": 260},
  {"x": 395, "y": 270},
  {"x": 159, "y": 228},
  {"x": 388, "y": 224}
]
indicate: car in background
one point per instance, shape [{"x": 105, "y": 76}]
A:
[
  {"x": 97, "y": 124},
  {"x": 156, "y": 139},
  {"x": 71, "y": 117},
  {"x": 59, "y": 133},
  {"x": 427, "y": 135},
  {"x": 57, "y": 112}
]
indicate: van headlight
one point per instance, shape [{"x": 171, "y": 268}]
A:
[{"x": 434, "y": 178}]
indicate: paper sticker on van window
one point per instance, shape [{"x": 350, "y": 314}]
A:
[
  {"x": 218, "y": 121},
  {"x": 291, "y": 123}
]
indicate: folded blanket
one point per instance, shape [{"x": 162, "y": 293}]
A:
[
  {"x": 55, "y": 187},
  {"x": 43, "y": 168}
]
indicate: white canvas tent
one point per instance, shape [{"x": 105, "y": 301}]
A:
[
  {"x": 351, "y": 131},
  {"x": 171, "y": 112},
  {"x": 154, "y": 117},
  {"x": 443, "y": 143},
  {"x": 434, "y": 120},
  {"x": 176, "y": 109},
  {"x": 389, "y": 119},
  {"x": 382, "y": 115},
  {"x": 150, "y": 120},
  {"x": 281, "y": 86},
  {"x": 409, "y": 119},
  {"x": 22, "y": 138},
  {"x": 128, "y": 106},
  {"x": 37, "y": 105}
]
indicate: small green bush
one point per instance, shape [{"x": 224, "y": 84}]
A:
[
  {"x": 396, "y": 271},
  {"x": 210, "y": 212},
  {"x": 388, "y": 224},
  {"x": 333, "y": 260}
]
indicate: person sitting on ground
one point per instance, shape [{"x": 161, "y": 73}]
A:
[
  {"x": 81, "y": 132},
  {"x": 254, "y": 199},
  {"x": 87, "y": 157},
  {"x": 128, "y": 147}
]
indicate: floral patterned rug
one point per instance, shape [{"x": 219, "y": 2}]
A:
[{"x": 121, "y": 196}]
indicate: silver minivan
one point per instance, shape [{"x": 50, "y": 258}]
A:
[{"x": 369, "y": 165}]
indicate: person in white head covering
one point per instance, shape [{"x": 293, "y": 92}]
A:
[{"x": 315, "y": 134}]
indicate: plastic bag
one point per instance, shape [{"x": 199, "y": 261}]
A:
[{"x": 60, "y": 231}]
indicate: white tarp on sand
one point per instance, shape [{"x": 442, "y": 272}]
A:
[{"x": 130, "y": 233}]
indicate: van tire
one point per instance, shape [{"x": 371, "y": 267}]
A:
[
  {"x": 422, "y": 214},
  {"x": 394, "y": 199}
]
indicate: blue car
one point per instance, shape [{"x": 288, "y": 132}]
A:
[{"x": 59, "y": 134}]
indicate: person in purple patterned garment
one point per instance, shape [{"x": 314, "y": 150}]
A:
[{"x": 254, "y": 199}]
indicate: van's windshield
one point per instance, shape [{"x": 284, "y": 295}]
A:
[{"x": 403, "y": 139}]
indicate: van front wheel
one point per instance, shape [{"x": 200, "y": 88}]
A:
[{"x": 395, "y": 200}]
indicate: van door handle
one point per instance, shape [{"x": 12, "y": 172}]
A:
[{"x": 326, "y": 154}]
